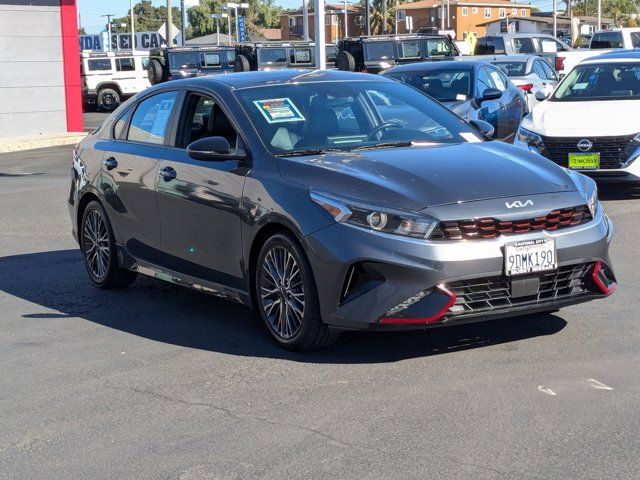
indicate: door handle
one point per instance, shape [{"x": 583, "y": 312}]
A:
[
  {"x": 167, "y": 174},
  {"x": 110, "y": 163}
]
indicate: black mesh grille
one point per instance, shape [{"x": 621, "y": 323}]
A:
[
  {"x": 611, "y": 149},
  {"x": 494, "y": 293}
]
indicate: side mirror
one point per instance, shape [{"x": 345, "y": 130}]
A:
[
  {"x": 485, "y": 128},
  {"x": 214, "y": 149},
  {"x": 542, "y": 94},
  {"x": 491, "y": 94}
]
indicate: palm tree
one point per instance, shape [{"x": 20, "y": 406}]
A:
[{"x": 620, "y": 11}]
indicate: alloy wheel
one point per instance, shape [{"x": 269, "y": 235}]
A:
[
  {"x": 96, "y": 244},
  {"x": 282, "y": 292}
]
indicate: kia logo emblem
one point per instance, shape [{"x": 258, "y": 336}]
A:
[
  {"x": 519, "y": 204},
  {"x": 584, "y": 145}
]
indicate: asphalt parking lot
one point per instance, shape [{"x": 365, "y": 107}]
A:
[{"x": 161, "y": 382}]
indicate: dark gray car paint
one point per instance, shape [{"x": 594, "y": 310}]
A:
[{"x": 221, "y": 207}]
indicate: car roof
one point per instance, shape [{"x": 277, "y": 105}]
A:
[
  {"x": 513, "y": 58},
  {"x": 442, "y": 65},
  {"x": 282, "y": 77},
  {"x": 614, "y": 57},
  {"x": 518, "y": 35}
]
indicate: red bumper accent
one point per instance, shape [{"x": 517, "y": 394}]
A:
[
  {"x": 426, "y": 320},
  {"x": 606, "y": 289}
]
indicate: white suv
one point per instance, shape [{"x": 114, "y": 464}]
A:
[{"x": 107, "y": 78}]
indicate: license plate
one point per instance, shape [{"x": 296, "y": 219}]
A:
[
  {"x": 584, "y": 161},
  {"x": 530, "y": 256}
]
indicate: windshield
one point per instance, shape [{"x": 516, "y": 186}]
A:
[
  {"x": 378, "y": 51},
  {"x": 183, "y": 59},
  {"x": 512, "y": 69},
  {"x": 310, "y": 118},
  {"x": 601, "y": 82},
  {"x": 446, "y": 85}
]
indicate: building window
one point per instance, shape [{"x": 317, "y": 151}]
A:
[
  {"x": 502, "y": 13},
  {"x": 327, "y": 19},
  {"x": 402, "y": 14},
  {"x": 360, "y": 19},
  {"x": 334, "y": 19},
  {"x": 523, "y": 12},
  {"x": 465, "y": 11},
  {"x": 474, "y": 10},
  {"x": 292, "y": 21},
  {"x": 514, "y": 11},
  {"x": 487, "y": 13}
]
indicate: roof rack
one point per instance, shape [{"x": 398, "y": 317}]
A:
[{"x": 400, "y": 36}]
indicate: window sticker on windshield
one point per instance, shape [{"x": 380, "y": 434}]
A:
[
  {"x": 470, "y": 137},
  {"x": 580, "y": 86},
  {"x": 279, "y": 110}
]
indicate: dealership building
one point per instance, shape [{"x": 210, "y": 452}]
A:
[{"x": 39, "y": 68}]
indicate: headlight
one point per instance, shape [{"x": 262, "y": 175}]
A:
[
  {"x": 380, "y": 219},
  {"x": 588, "y": 188},
  {"x": 529, "y": 138}
]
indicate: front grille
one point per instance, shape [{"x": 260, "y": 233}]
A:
[
  {"x": 482, "y": 228},
  {"x": 611, "y": 149},
  {"x": 494, "y": 293}
]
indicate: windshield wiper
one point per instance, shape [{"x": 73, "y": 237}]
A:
[
  {"x": 404, "y": 143},
  {"x": 309, "y": 151}
]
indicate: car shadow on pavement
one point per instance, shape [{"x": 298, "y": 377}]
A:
[{"x": 56, "y": 285}]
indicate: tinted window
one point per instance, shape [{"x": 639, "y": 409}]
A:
[
  {"x": 512, "y": 69},
  {"x": 231, "y": 56},
  {"x": 183, "y": 59},
  {"x": 332, "y": 53},
  {"x": 607, "y": 40},
  {"x": 120, "y": 124},
  {"x": 378, "y": 51},
  {"x": 443, "y": 85},
  {"x": 150, "y": 120},
  {"x": 523, "y": 45},
  {"x": 125, "y": 64},
  {"x": 635, "y": 39},
  {"x": 347, "y": 115},
  {"x": 272, "y": 55},
  {"x": 203, "y": 117},
  {"x": 210, "y": 59},
  {"x": 409, "y": 49},
  {"x": 300, "y": 55},
  {"x": 484, "y": 81},
  {"x": 145, "y": 62},
  {"x": 600, "y": 82},
  {"x": 538, "y": 70},
  {"x": 438, "y": 47},
  {"x": 99, "y": 64},
  {"x": 550, "y": 74},
  {"x": 490, "y": 46}
]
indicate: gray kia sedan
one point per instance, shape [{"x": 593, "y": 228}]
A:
[{"x": 332, "y": 200}]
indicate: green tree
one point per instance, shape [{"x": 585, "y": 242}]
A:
[
  {"x": 148, "y": 17},
  {"x": 260, "y": 14}
]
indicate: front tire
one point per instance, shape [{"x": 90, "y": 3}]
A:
[
  {"x": 98, "y": 247},
  {"x": 287, "y": 296}
]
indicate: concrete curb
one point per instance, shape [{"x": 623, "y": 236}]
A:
[{"x": 18, "y": 144}]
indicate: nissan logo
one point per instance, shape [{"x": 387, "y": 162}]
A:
[{"x": 584, "y": 145}]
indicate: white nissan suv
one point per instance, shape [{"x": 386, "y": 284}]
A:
[{"x": 591, "y": 122}]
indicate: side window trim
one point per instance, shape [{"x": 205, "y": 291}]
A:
[{"x": 125, "y": 128}]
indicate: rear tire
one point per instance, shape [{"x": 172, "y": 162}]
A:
[
  {"x": 108, "y": 99},
  {"x": 98, "y": 247},
  {"x": 287, "y": 296},
  {"x": 241, "y": 64},
  {"x": 346, "y": 62}
]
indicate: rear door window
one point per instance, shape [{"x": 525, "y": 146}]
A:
[
  {"x": 151, "y": 118},
  {"x": 378, "y": 51},
  {"x": 410, "y": 49},
  {"x": 269, "y": 56},
  {"x": 125, "y": 65},
  {"x": 300, "y": 55},
  {"x": 635, "y": 39},
  {"x": 98, "y": 64},
  {"x": 438, "y": 47},
  {"x": 523, "y": 45}
]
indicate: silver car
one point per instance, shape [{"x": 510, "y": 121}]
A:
[{"x": 530, "y": 74}]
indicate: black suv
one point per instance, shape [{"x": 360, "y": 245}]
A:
[
  {"x": 276, "y": 55},
  {"x": 376, "y": 53},
  {"x": 184, "y": 62}
]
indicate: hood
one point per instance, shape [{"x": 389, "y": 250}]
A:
[
  {"x": 578, "y": 119},
  {"x": 414, "y": 178}
]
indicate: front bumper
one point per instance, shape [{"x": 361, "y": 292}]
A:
[
  {"x": 628, "y": 173},
  {"x": 397, "y": 269}
]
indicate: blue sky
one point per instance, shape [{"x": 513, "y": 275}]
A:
[{"x": 90, "y": 10}]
